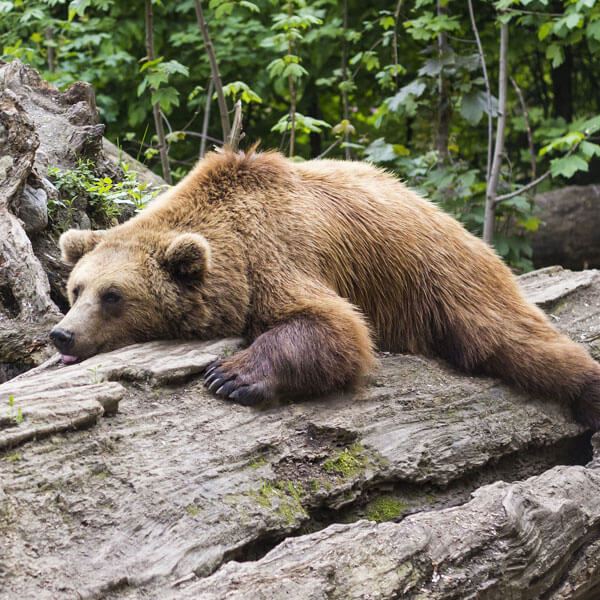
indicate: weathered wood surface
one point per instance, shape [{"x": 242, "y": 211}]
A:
[
  {"x": 177, "y": 484},
  {"x": 37, "y": 404},
  {"x": 521, "y": 540},
  {"x": 40, "y": 127}
]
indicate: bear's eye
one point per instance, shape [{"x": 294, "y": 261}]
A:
[
  {"x": 76, "y": 292},
  {"x": 110, "y": 298}
]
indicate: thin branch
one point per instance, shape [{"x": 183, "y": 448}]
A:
[
  {"x": 355, "y": 72},
  {"x": 536, "y": 182},
  {"x": 214, "y": 69},
  {"x": 160, "y": 131},
  {"x": 527, "y": 124},
  {"x": 49, "y": 34},
  {"x": 492, "y": 185},
  {"x": 202, "y": 135},
  {"x": 292, "y": 95},
  {"x": 395, "y": 42},
  {"x": 205, "y": 121},
  {"x": 487, "y": 89},
  {"x": 236, "y": 128},
  {"x": 346, "y": 110},
  {"x": 525, "y": 188},
  {"x": 330, "y": 148},
  {"x": 443, "y": 102}
]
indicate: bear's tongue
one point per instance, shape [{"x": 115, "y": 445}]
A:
[{"x": 67, "y": 358}]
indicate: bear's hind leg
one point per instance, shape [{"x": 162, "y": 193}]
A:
[{"x": 317, "y": 346}]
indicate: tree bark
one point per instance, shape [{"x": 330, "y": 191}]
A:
[
  {"x": 345, "y": 107},
  {"x": 206, "y": 119},
  {"x": 492, "y": 185},
  {"x": 443, "y": 112},
  {"x": 562, "y": 93},
  {"x": 487, "y": 90},
  {"x": 214, "y": 69},
  {"x": 169, "y": 494}
]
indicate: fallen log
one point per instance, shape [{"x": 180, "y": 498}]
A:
[{"x": 177, "y": 491}]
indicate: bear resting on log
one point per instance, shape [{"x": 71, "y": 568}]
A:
[{"x": 315, "y": 264}]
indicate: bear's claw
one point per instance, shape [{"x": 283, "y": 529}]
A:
[
  {"x": 226, "y": 388},
  {"x": 212, "y": 367},
  {"x": 248, "y": 395},
  {"x": 231, "y": 386}
]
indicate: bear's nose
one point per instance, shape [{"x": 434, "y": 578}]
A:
[{"x": 62, "y": 339}]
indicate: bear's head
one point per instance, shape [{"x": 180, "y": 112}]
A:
[{"x": 127, "y": 288}]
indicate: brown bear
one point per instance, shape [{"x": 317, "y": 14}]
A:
[{"x": 314, "y": 263}]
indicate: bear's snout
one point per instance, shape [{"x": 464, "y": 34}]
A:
[{"x": 62, "y": 339}]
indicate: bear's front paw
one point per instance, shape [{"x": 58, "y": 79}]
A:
[{"x": 231, "y": 383}]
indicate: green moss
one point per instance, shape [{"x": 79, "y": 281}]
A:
[
  {"x": 12, "y": 457},
  {"x": 385, "y": 508},
  {"x": 559, "y": 307},
  {"x": 259, "y": 462},
  {"x": 192, "y": 510},
  {"x": 349, "y": 462},
  {"x": 284, "y": 497}
]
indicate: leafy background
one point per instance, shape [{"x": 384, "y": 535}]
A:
[{"x": 397, "y": 83}]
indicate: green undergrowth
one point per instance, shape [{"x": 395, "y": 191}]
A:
[{"x": 106, "y": 199}]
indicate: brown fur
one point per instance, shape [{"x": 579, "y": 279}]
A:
[{"x": 315, "y": 262}]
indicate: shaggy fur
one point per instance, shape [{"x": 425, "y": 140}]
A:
[{"x": 314, "y": 263}]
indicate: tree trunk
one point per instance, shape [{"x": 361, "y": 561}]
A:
[
  {"x": 562, "y": 93},
  {"x": 214, "y": 69},
  {"x": 443, "y": 112},
  {"x": 158, "y": 124},
  {"x": 345, "y": 107},
  {"x": 273, "y": 502},
  {"x": 492, "y": 185}
]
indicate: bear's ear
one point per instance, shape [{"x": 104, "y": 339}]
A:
[
  {"x": 74, "y": 243},
  {"x": 188, "y": 257}
]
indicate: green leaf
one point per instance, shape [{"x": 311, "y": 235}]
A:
[
  {"x": 565, "y": 142},
  {"x": 573, "y": 20},
  {"x": 149, "y": 64},
  {"x": 567, "y": 166},
  {"x": 531, "y": 224},
  {"x": 301, "y": 122},
  {"x": 239, "y": 87},
  {"x": 379, "y": 151},
  {"x": 166, "y": 97},
  {"x": 173, "y": 66},
  {"x": 343, "y": 127},
  {"x": 588, "y": 149},
  {"x": 593, "y": 30},
  {"x": 250, "y": 6},
  {"x": 142, "y": 86},
  {"x": 387, "y": 22},
  {"x": 414, "y": 88},
  {"x": 433, "y": 66},
  {"x": 79, "y": 6},
  {"x": 276, "y": 67},
  {"x": 156, "y": 78},
  {"x": 544, "y": 30},
  {"x": 473, "y": 105},
  {"x": 555, "y": 53},
  {"x": 295, "y": 70}
]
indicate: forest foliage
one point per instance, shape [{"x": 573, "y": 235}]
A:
[{"x": 401, "y": 83}]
